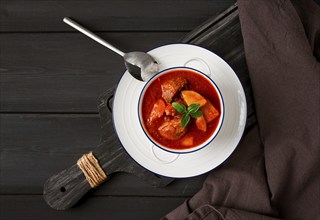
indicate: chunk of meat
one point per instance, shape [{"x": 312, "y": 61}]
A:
[
  {"x": 209, "y": 111},
  {"x": 157, "y": 110},
  {"x": 171, "y": 87},
  {"x": 170, "y": 111},
  {"x": 201, "y": 123},
  {"x": 192, "y": 97},
  {"x": 172, "y": 129}
]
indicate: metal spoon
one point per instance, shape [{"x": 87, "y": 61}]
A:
[{"x": 139, "y": 64}]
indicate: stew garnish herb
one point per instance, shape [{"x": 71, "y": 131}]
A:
[{"x": 192, "y": 110}]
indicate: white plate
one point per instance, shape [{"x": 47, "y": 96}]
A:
[{"x": 137, "y": 144}]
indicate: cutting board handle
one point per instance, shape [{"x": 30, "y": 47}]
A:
[{"x": 66, "y": 188}]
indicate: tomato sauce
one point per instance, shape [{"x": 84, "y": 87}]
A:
[{"x": 197, "y": 83}]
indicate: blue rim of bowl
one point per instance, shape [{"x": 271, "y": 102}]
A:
[{"x": 141, "y": 120}]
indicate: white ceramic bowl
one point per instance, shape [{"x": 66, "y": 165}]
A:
[{"x": 185, "y": 149}]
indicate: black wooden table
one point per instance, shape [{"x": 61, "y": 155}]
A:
[{"x": 51, "y": 78}]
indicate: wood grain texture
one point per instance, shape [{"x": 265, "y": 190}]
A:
[
  {"x": 111, "y": 15},
  {"x": 46, "y": 144},
  {"x": 63, "y": 190},
  {"x": 33, "y": 208},
  {"x": 65, "y": 72},
  {"x": 37, "y": 146}
]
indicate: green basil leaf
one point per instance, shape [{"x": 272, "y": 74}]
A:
[
  {"x": 193, "y": 108},
  {"x": 196, "y": 114},
  {"x": 180, "y": 108},
  {"x": 185, "y": 120}
]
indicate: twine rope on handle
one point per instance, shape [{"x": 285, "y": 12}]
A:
[{"x": 91, "y": 169}]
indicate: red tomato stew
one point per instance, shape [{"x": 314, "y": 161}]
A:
[{"x": 180, "y": 109}]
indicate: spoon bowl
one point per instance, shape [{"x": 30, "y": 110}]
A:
[{"x": 140, "y": 65}]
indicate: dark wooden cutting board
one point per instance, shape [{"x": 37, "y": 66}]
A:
[
  {"x": 220, "y": 34},
  {"x": 63, "y": 190}
]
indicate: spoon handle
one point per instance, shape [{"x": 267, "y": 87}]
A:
[{"x": 85, "y": 31}]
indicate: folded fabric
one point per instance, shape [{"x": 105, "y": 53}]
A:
[{"x": 274, "y": 172}]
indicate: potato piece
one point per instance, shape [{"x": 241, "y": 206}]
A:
[
  {"x": 201, "y": 123},
  {"x": 192, "y": 97},
  {"x": 209, "y": 111},
  {"x": 187, "y": 141}
]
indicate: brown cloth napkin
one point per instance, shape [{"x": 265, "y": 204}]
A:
[{"x": 274, "y": 172}]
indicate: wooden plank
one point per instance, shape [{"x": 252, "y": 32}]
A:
[
  {"x": 112, "y": 15},
  {"x": 36, "y": 146},
  {"x": 33, "y": 208},
  {"x": 65, "y": 72}
]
